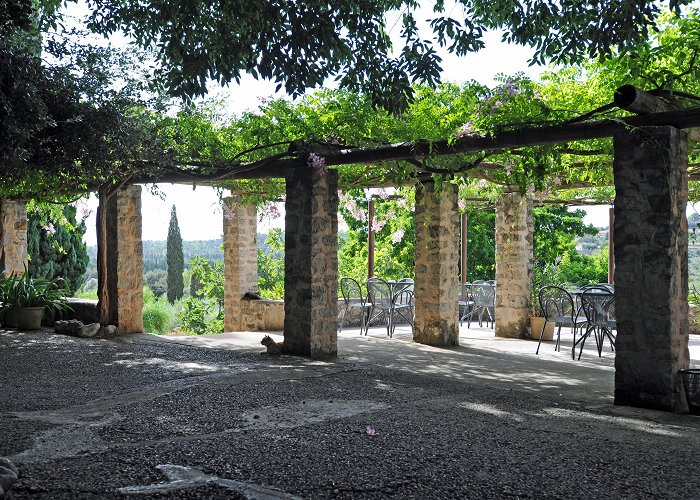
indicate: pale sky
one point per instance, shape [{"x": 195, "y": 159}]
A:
[{"x": 198, "y": 211}]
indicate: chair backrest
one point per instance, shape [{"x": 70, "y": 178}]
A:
[
  {"x": 484, "y": 294},
  {"x": 379, "y": 293},
  {"x": 556, "y": 302},
  {"x": 465, "y": 292},
  {"x": 406, "y": 284},
  {"x": 351, "y": 290},
  {"x": 596, "y": 302},
  {"x": 404, "y": 298},
  {"x": 569, "y": 286}
]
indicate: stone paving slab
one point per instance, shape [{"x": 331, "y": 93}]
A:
[{"x": 149, "y": 417}]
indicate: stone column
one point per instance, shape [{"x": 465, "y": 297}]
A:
[
  {"x": 124, "y": 259},
  {"x": 311, "y": 264},
  {"x": 240, "y": 259},
  {"x": 13, "y": 237},
  {"x": 651, "y": 267},
  {"x": 513, "y": 264},
  {"x": 436, "y": 260}
]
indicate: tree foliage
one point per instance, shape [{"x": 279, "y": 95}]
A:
[
  {"x": 74, "y": 113},
  {"x": 271, "y": 265},
  {"x": 88, "y": 96},
  {"x": 56, "y": 248},
  {"x": 300, "y": 44},
  {"x": 175, "y": 259},
  {"x": 203, "y": 312}
]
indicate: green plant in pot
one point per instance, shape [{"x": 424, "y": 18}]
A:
[{"x": 25, "y": 300}]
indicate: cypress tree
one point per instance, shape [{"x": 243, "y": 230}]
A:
[
  {"x": 175, "y": 259},
  {"x": 56, "y": 250}
]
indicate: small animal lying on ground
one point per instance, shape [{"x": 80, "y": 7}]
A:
[{"x": 273, "y": 347}]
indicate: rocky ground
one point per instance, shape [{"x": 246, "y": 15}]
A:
[{"x": 132, "y": 416}]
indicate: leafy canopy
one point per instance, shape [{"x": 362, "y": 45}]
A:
[{"x": 300, "y": 44}]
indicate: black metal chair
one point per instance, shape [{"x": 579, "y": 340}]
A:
[
  {"x": 354, "y": 300},
  {"x": 466, "y": 302},
  {"x": 598, "y": 304},
  {"x": 559, "y": 307},
  {"x": 403, "y": 303},
  {"x": 484, "y": 296},
  {"x": 381, "y": 303}
]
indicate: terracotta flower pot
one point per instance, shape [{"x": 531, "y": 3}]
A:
[{"x": 536, "y": 323}]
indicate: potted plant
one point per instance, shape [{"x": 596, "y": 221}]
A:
[
  {"x": 25, "y": 300},
  {"x": 542, "y": 275}
]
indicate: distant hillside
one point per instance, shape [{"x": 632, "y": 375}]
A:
[
  {"x": 590, "y": 244},
  {"x": 154, "y": 252}
]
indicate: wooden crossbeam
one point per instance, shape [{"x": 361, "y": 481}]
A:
[{"x": 533, "y": 136}]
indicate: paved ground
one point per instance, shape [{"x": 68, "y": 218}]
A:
[{"x": 210, "y": 417}]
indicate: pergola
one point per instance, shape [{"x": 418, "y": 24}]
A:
[{"x": 651, "y": 274}]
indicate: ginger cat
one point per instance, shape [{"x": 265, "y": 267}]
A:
[{"x": 274, "y": 348}]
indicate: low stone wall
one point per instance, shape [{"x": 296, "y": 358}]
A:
[
  {"x": 262, "y": 315},
  {"x": 694, "y": 320},
  {"x": 84, "y": 310}
]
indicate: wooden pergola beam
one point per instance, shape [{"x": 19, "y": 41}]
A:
[{"x": 534, "y": 136}]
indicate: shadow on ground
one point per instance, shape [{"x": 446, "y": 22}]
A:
[{"x": 154, "y": 417}]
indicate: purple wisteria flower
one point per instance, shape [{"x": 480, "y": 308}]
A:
[
  {"x": 318, "y": 163},
  {"x": 269, "y": 211},
  {"x": 229, "y": 210},
  {"x": 377, "y": 225},
  {"x": 398, "y": 236},
  {"x": 466, "y": 130}
]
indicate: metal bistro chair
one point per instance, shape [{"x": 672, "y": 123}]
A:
[
  {"x": 598, "y": 304},
  {"x": 484, "y": 296},
  {"x": 354, "y": 300},
  {"x": 466, "y": 302},
  {"x": 380, "y": 302},
  {"x": 402, "y": 303},
  {"x": 559, "y": 308}
]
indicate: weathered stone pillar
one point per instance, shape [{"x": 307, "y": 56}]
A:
[
  {"x": 651, "y": 267},
  {"x": 436, "y": 260},
  {"x": 513, "y": 264},
  {"x": 124, "y": 259},
  {"x": 240, "y": 259},
  {"x": 311, "y": 264},
  {"x": 13, "y": 237}
]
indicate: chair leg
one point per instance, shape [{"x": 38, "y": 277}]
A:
[
  {"x": 583, "y": 339},
  {"x": 556, "y": 345},
  {"x": 541, "y": 335},
  {"x": 369, "y": 319},
  {"x": 599, "y": 338}
]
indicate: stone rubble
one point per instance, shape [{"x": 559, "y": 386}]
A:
[{"x": 76, "y": 328}]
